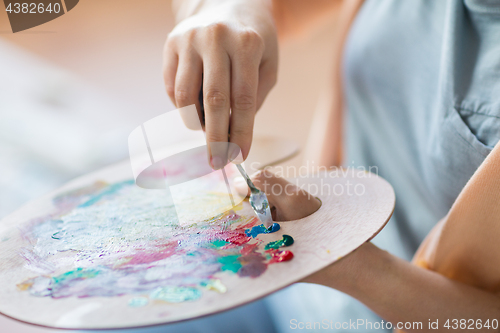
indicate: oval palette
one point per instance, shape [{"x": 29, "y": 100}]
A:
[{"x": 100, "y": 252}]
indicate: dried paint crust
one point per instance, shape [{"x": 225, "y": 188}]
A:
[{"x": 118, "y": 239}]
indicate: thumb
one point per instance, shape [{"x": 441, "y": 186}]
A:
[{"x": 287, "y": 201}]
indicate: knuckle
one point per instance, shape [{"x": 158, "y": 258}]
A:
[
  {"x": 216, "y": 137},
  {"x": 182, "y": 97},
  {"x": 170, "y": 90},
  {"x": 273, "y": 79},
  {"x": 244, "y": 102},
  {"x": 190, "y": 35},
  {"x": 216, "y": 99},
  {"x": 179, "y": 38},
  {"x": 270, "y": 77},
  {"x": 241, "y": 132},
  {"x": 217, "y": 29},
  {"x": 171, "y": 41},
  {"x": 170, "y": 38},
  {"x": 251, "y": 39}
]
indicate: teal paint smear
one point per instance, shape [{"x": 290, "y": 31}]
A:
[
  {"x": 111, "y": 189},
  {"x": 176, "y": 294},
  {"x": 261, "y": 229},
  {"x": 285, "y": 241},
  {"x": 79, "y": 273},
  {"x": 230, "y": 263},
  {"x": 219, "y": 243},
  {"x": 138, "y": 302},
  {"x": 118, "y": 231}
]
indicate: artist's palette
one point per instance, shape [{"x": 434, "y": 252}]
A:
[{"x": 103, "y": 253}]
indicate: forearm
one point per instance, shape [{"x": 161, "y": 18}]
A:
[{"x": 401, "y": 292}]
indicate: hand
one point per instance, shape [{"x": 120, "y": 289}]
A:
[
  {"x": 233, "y": 46},
  {"x": 287, "y": 201}
]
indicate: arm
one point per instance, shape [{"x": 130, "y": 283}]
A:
[
  {"x": 462, "y": 246},
  {"x": 401, "y": 292},
  {"x": 394, "y": 288}
]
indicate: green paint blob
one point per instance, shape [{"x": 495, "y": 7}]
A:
[
  {"x": 175, "y": 294},
  {"x": 285, "y": 241},
  {"x": 230, "y": 263}
]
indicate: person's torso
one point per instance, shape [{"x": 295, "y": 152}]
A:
[
  {"x": 422, "y": 93},
  {"x": 422, "y": 87}
]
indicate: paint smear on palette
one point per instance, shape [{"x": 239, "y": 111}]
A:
[{"x": 109, "y": 240}]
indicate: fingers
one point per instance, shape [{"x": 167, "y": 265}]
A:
[
  {"x": 170, "y": 62},
  {"x": 188, "y": 85},
  {"x": 216, "y": 92},
  {"x": 245, "y": 59},
  {"x": 267, "y": 80},
  {"x": 236, "y": 69}
]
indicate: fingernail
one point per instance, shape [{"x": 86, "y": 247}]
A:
[
  {"x": 234, "y": 151},
  {"x": 217, "y": 163}
]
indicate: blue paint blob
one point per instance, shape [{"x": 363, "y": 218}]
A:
[
  {"x": 261, "y": 229},
  {"x": 273, "y": 228}
]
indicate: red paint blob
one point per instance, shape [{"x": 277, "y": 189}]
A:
[{"x": 281, "y": 256}]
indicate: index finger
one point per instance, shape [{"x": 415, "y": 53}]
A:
[
  {"x": 244, "y": 83},
  {"x": 216, "y": 92}
]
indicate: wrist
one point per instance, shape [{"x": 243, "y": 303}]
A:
[
  {"x": 187, "y": 8},
  {"x": 357, "y": 271}
]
